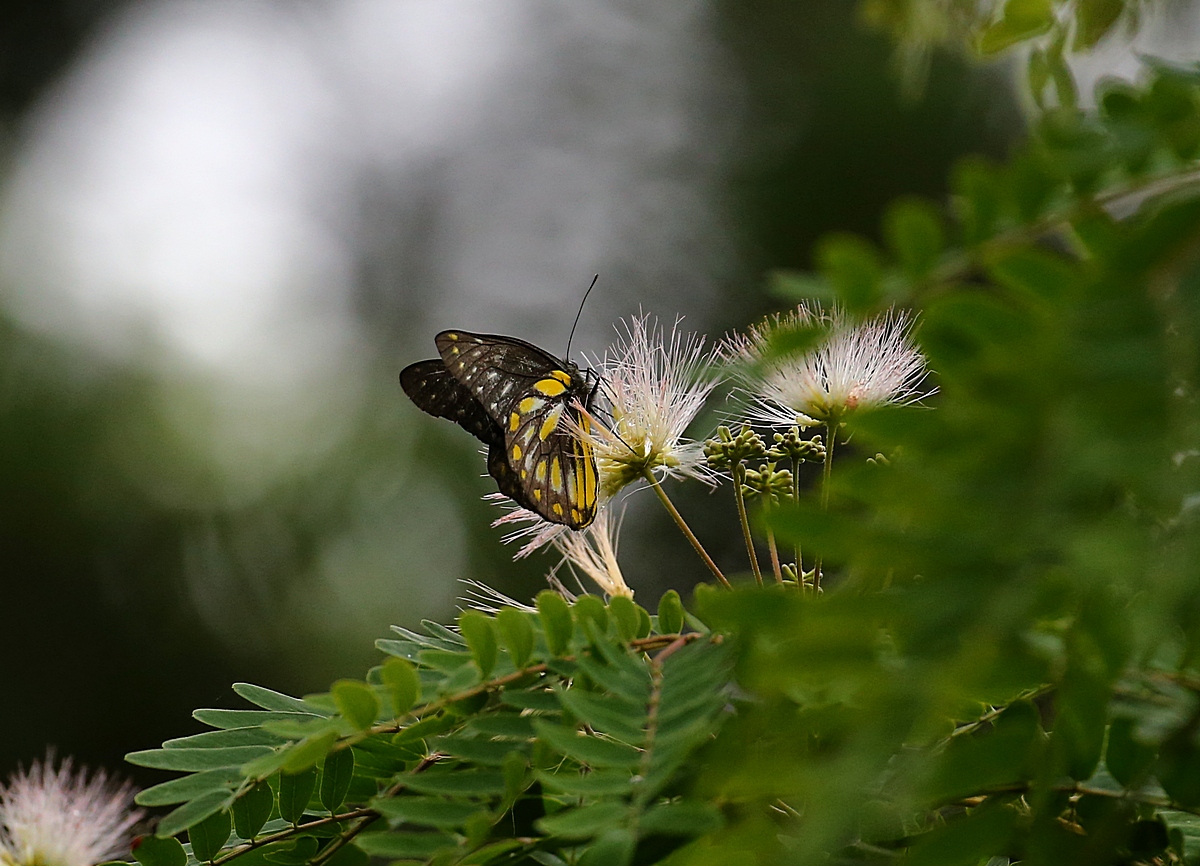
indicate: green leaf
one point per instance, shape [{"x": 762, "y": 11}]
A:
[
  {"x": 1022, "y": 19},
  {"x": 613, "y": 848},
  {"x": 477, "y": 750},
  {"x": 611, "y": 715},
  {"x": 478, "y": 783},
  {"x": 972, "y": 839},
  {"x": 231, "y": 737},
  {"x": 193, "y": 812},
  {"x": 425, "y": 811},
  {"x": 336, "y": 774},
  {"x": 625, "y": 613},
  {"x": 516, "y": 631},
  {"x": 515, "y": 769},
  {"x": 913, "y": 229},
  {"x": 418, "y": 846},
  {"x": 488, "y": 853},
  {"x": 598, "y": 783},
  {"x": 589, "y": 608},
  {"x": 645, "y": 625},
  {"x": 308, "y": 752},
  {"x": 585, "y": 822},
  {"x": 979, "y": 199},
  {"x": 156, "y": 851},
  {"x": 401, "y": 678},
  {"x": 507, "y": 725},
  {"x": 988, "y": 759},
  {"x": 356, "y": 701},
  {"x": 852, "y": 267},
  {"x": 272, "y": 700},
  {"x": 252, "y": 809},
  {"x": 681, "y": 819},
  {"x": 480, "y": 634},
  {"x": 425, "y": 728},
  {"x": 670, "y": 613},
  {"x": 295, "y": 791},
  {"x": 1128, "y": 758},
  {"x": 267, "y": 765},
  {"x": 1093, "y": 20},
  {"x": 195, "y": 760},
  {"x": 208, "y": 836},
  {"x": 190, "y": 787},
  {"x": 541, "y": 700},
  {"x": 556, "y": 621},
  {"x": 1034, "y": 272},
  {"x": 589, "y": 750},
  {"x": 245, "y": 718},
  {"x": 296, "y": 851},
  {"x": 349, "y": 855}
]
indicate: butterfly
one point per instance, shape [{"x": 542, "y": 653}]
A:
[{"x": 514, "y": 397}]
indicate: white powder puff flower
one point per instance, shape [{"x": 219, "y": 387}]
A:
[
  {"x": 593, "y": 553},
  {"x": 59, "y": 816},
  {"x": 655, "y": 383},
  {"x": 854, "y": 365}
]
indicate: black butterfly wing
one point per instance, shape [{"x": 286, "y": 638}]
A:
[
  {"x": 435, "y": 390},
  {"x": 555, "y": 469},
  {"x": 496, "y": 370}
]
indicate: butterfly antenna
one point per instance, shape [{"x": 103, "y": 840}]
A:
[{"x": 578, "y": 314}]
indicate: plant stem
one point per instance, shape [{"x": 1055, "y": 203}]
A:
[
  {"x": 739, "y": 477},
  {"x": 774, "y": 557},
  {"x": 684, "y": 528},
  {"x": 831, "y": 427},
  {"x": 796, "y": 464}
]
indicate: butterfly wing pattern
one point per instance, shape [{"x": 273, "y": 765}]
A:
[{"x": 513, "y": 396}]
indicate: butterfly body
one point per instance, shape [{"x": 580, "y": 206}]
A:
[{"x": 514, "y": 397}]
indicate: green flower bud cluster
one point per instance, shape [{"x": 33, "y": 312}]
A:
[
  {"x": 789, "y": 446},
  {"x": 767, "y": 481},
  {"x": 728, "y": 450}
]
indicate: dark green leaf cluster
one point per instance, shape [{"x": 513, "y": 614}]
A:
[
  {"x": 1006, "y": 669},
  {"x": 525, "y": 737}
]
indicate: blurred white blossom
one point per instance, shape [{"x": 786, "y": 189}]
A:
[
  {"x": 59, "y": 816},
  {"x": 853, "y": 365}
]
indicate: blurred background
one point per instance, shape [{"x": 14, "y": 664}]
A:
[{"x": 226, "y": 226}]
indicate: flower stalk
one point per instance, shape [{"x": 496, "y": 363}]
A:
[{"x": 656, "y": 486}]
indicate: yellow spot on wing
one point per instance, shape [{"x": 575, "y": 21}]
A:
[
  {"x": 539, "y": 471},
  {"x": 452, "y": 336},
  {"x": 516, "y": 452},
  {"x": 562, "y": 376},
  {"x": 549, "y": 425},
  {"x": 555, "y": 476},
  {"x": 537, "y": 494},
  {"x": 551, "y": 387},
  {"x": 557, "y": 509},
  {"x": 530, "y": 404},
  {"x": 514, "y": 421}
]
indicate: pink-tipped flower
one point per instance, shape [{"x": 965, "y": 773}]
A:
[
  {"x": 854, "y": 365},
  {"x": 59, "y": 816},
  {"x": 654, "y": 384}
]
